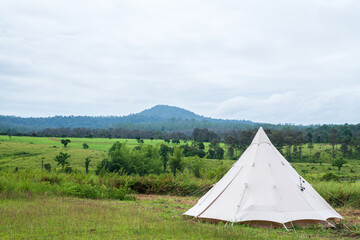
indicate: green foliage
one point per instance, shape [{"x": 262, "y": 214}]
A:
[
  {"x": 340, "y": 193},
  {"x": 164, "y": 153},
  {"x": 193, "y": 150},
  {"x": 216, "y": 152},
  {"x": 176, "y": 161},
  {"x": 329, "y": 177},
  {"x": 47, "y": 167},
  {"x": 85, "y": 146},
  {"x": 339, "y": 163},
  {"x": 87, "y": 163},
  {"x": 68, "y": 169},
  {"x": 72, "y": 184},
  {"x": 65, "y": 142},
  {"x": 142, "y": 160},
  {"x": 197, "y": 166},
  {"x": 61, "y": 159}
]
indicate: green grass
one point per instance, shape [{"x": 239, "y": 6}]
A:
[
  {"x": 30, "y": 155},
  {"x": 148, "y": 218},
  {"x": 60, "y": 184},
  {"x": 101, "y": 144},
  {"x": 32, "y": 193},
  {"x": 29, "y": 152}
]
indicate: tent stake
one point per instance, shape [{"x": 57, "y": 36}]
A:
[{"x": 285, "y": 227}]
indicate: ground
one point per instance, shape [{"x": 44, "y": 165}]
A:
[{"x": 149, "y": 217}]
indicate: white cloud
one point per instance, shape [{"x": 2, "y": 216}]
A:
[
  {"x": 330, "y": 106},
  {"x": 119, "y": 57}
]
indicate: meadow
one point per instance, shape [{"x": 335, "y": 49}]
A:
[{"x": 87, "y": 206}]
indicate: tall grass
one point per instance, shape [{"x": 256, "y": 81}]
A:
[
  {"x": 340, "y": 194},
  {"x": 115, "y": 186},
  {"x": 76, "y": 184},
  {"x": 108, "y": 185}
]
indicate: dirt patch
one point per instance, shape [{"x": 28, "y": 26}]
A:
[{"x": 350, "y": 215}]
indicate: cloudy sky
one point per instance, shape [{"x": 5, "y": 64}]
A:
[{"x": 266, "y": 61}]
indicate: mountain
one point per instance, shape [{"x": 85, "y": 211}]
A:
[
  {"x": 159, "y": 117},
  {"x": 167, "y": 112}
]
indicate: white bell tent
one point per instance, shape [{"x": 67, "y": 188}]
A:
[{"x": 262, "y": 188}]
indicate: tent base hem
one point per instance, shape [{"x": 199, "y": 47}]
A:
[{"x": 329, "y": 223}]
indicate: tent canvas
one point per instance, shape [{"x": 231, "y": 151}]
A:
[{"x": 263, "y": 188}]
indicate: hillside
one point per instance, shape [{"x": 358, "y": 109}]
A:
[{"x": 160, "y": 117}]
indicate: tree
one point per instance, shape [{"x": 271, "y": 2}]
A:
[
  {"x": 299, "y": 141},
  {"x": 230, "y": 152},
  {"x": 47, "y": 167},
  {"x": 278, "y": 140},
  {"x": 87, "y": 163},
  {"x": 231, "y": 141},
  {"x": 339, "y": 163},
  {"x": 215, "y": 153},
  {"x": 333, "y": 140},
  {"x": 309, "y": 137},
  {"x": 346, "y": 142},
  {"x": 219, "y": 152},
  {"x": 164, "y": 154},
  {"x": 214, "y": 143},
  {"x": 198, "y": 144},
  {"x": 176, "y": 161},
  {"x": 141, "y": 160},
  {"x": 317, "y": 157},
  {"x": 197, "y": 165},
  {"x": 310, "y": 146},
  {"x": 61, "y": 159},
  {"x": 85, "y": 146},
  {"x": 65, "y": 142}
]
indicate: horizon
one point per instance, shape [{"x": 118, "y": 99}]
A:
[
  {"x": 312, "y": 124},
  {"x": 275, "y": 62}
]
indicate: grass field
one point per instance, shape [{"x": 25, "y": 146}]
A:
[
  {"x": 29, "y": 152},
  {"x": 150, "y": 217},
  {"x": 55, "y": 215}
]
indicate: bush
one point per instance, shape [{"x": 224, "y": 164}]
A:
[
  {"x": 47, "y": 167},
  {"x": 75, "y": 184},
  {"x": 329, "y": 177},
  {"x": 50, "y": 179},
  {"x": 68, "y": 169},
  {"x": 143, "y": 160}
]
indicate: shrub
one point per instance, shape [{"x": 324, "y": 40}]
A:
[
  {"x": 47, "y": 167},
  {"x": 77, "y": 185},
  {"x": 142, "y": 160},
  {"x": 329, "y": 177},
  {"x": 50, "y": 179},
  {"x": 68, "y": 169}
]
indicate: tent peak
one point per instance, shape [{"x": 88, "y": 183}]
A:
[{"x": 261, "y": 137}]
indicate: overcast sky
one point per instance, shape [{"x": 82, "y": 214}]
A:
[{"x": 265, "y": 61}]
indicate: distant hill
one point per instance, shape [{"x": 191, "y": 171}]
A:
[
  {"x": 160, "y": 117},
  {"x": 165, "y": 112}
]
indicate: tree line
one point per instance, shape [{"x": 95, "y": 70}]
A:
[{"x": 334, "y": 134}]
